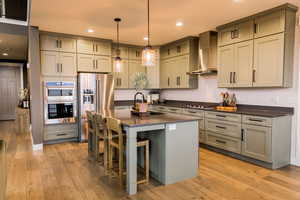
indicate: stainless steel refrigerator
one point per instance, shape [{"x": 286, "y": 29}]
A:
[{"x": 95, "y": 93}]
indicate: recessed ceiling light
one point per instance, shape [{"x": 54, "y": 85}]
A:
[
  {"x": 90, "y": 31},
  {"x": 5, "y": 54},
  {"x": 237, "y": 1},
  {"x": 146, "y": 38},
  {"x": 179, "y": 23}
]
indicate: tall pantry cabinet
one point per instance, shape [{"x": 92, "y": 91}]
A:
[{"x": 258, "y": 51}]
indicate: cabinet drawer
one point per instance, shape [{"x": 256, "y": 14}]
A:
[
  {"x": 224, "y": 128},
  {"x": 202, "y": 137},
  {"x": 59, "y": 127},
  {"x": 256, "y": 120},
  {"x": 193, "y": 112},
  {"x": 223, "y": 116},
  {"x": 174, "y": 110},
  {"x": 223, "y": 142},
  {"x": 61, "y": 135}
]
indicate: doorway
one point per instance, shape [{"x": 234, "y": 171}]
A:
[{"x": 10, "y": 85}]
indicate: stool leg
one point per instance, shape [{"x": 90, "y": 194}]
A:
[
  {"x": 121, "y": 165},
  {"x": 105, "y": 156},
  {"x": 147, "y": 162},
  {"x": 110, "y": 159}
]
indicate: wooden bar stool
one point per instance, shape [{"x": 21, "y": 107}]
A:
[
  {"x": 101, "y": 134},
  {"x": 117, "y": 142},
  {"x": 92, "y": 138}
]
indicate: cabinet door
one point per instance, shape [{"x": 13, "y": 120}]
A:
[
  {"x": 226, "y": 67},
  {"x": 50, "y": 63},
  {"x": 49, "y": 43},
  {"x": 86, "y": 63},
  {"x": 242, "y": 76},
  {"x": 85, "y": 46},
  {"x": 134, "y": 66},
  {"x": 68, "y": 64},
  {"x": 182, "y": 66},
  {"x": 244, "y": 31},
  {"x": 181, "y": 48},
  {"x": 153, "y": 74},
  {"x": 268, "y": 61},
  {"x": 102, "y": 63},
  {"x": 173, "y": 73},
  {"x": 67, "y": 45},
  {"x": 102, "y": 48},
  {"x": 135, "y": 54},
  {"x": 270, "y": 24},
  {"x": 225, "y": 36},
  {"x": 257, "y": 142},
  {"x": 164, "y": 74},
  {"x": 121, "y": 78},
  {"x": 123, "y": 52}
]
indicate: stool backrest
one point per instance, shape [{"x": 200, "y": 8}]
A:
[
  {"x": 114, "y": 127},
  {"x": 100, "y": 125},
  {"x": 90, "y": 120}
]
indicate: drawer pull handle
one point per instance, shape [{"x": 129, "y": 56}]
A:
[
  {"x": 62, "y": 134},
  {"x": 256, "y": 120},
  {"x": 220, "y": 141},
  {"x": 192, "y": 112},
  {"x": 221, "y": 127},
  {"x": 221, "y": 116}
]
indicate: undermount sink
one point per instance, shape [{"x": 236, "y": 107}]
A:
[{"x": 155, "y": 113}]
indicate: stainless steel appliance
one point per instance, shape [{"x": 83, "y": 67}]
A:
[
  {"x": 60, "y": 102},
  {"x": 95, "y": 93}
]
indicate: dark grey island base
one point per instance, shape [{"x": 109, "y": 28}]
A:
[{"x": 174, "y": 145}]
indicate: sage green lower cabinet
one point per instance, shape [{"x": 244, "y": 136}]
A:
[
  {"x": 257, "y": 142},
  {"x": 60, "y": 131},
  {"x": 223, "y": 142}
]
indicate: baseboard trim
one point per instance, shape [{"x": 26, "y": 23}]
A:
[{"x": 37, "y": 147}]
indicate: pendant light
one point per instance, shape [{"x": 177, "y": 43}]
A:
[
  {"x": 118, "y": 60},
  {"x": 148, "y": 54}
]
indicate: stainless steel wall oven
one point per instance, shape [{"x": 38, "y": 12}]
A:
[{"x": 60, "y": 102}]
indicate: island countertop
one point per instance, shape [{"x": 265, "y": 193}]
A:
[{"x": 127, "y": 119}]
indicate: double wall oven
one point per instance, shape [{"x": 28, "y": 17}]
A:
[{"x": 60, "y": 102}]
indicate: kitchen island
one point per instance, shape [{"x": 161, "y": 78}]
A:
[{"x": 174, "y": 145}]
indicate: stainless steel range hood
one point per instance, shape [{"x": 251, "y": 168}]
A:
[{"x": 207, "y": 58}]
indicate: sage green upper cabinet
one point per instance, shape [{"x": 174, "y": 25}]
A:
[
  {"x": 261, "y": 49},
  {"x": 236, "y": 32},
  {"x": 54, "y": 43},
  {"x": 123, "y": 52},
  {"x": 226, "y": 63},
  {"x": 93, "y": 47},
  {"x": 135, "y": 53},
  {"x": 177, "y": 59},
  {"x": 243, "y": 66},
  {"x": 269, "y": 24},
  {"x": 58, "y": 63},
  {"x": 269, "y": 61},
  {"x": 121, "y": 77},
  {"x": 103, "y": 63}
]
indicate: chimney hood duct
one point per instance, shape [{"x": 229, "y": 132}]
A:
[{"x": 207, "y": 58}]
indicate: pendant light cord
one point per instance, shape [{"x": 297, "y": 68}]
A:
[
  {"x": 118, "y": 44},
  {"x": 148, "y": 23}
]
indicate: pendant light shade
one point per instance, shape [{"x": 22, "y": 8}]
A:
[
  {"x": 148, "y": 54},
  {"x": 118, "y": 60}
]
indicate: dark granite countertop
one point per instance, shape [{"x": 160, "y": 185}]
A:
[
  {"x": 130, "y": 120},
  {"x": 254, "y": 110}
]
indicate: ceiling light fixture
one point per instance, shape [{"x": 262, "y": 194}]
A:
[
  {"x": 148, "y": 54},
  {"x": 146, "y": 38},
  {"x": 179, "y": 24},
  {"x": 90, "y": 31},
  {"x": 5, "y": 54},
  {"x": 118, "y": 60}
]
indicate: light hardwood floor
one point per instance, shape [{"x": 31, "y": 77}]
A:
[{"x": 62, "y": 171}]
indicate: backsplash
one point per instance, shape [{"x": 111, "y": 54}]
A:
[{"x": 126, "y": 94}]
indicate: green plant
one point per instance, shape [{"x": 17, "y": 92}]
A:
[{"x": 140, "y": 80}]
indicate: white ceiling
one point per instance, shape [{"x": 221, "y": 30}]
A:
[{"x": 76, "y": 16}]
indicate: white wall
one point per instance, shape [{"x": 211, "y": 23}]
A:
[{"x": 208, "y": 92}]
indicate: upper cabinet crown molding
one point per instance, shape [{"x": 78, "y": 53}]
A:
[{"x": 258, "y": 51}]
